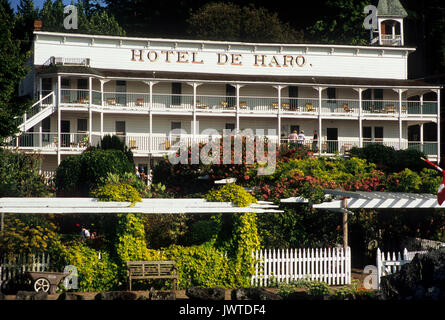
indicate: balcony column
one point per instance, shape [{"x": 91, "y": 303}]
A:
[
  {"x": 400, "y": 91},
  {"x": 320, "y": 119},
  {"x": 360, "y": 123},
  {"x": 59, "y": 118},
  {"x": 421, "y": 104},
  {"x": 90, "y": 113},
  {"x": 438, "y": 125},
  {"x": 421, "y": 136},
  {"x": 40, "y": 88},
  {"x": 195, "y": 86},
  {"x": 238, "y": 87},
  {"x": 279, "y": 113}
]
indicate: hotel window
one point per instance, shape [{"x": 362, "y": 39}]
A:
[
  {"x": 47, "y": 86},
  {"x": 332, "y": 94},
  {"x": 378, "y": 134},
  {"x": 81, "y": 125},
  {"x": 120, "y": 128},
  {"x": 367, "y": 135},
  {"x": 176, "y": 93},
  {"x": 293, "y": 95},
  {"x": 66, "y": 93},
  {"x": 230, "y": 95},
  {"x": 230, "y": 126},
  {"x": 121, "y": 92},
  {"x": 46, "y": 127}
]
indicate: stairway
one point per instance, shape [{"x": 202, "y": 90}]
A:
[{"x": 39, "y": 111}]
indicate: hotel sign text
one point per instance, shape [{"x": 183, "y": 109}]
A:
[{"x": 219, "y": 58}]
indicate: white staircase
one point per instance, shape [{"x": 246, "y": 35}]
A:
[{"x": 39, "y": 111}]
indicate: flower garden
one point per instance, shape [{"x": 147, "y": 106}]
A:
[{"x": 211, "y": 250}]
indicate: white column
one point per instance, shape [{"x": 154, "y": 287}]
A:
[
  {"x": 320, "y": 120},
  {"x": 90, "y": 113},
  {"x": 195, "y": 88},
  {"x": 40, "y": 134},
  {"x": 102, "y": 108},
  {"x": 421, "y": 136},
  {"x": 150, "y": 118},
  {"x": 237, "y": 107},
  {"x": 59, "y": 118},
  {"x": 360, "y": 123},
  {"x": 438, "y": 126},
  {"x": 279, "y": 115},
  {"x": 400, "y": 118},
  {"x": 421, "y": 104},
  {"x": 40, "y": 88}
]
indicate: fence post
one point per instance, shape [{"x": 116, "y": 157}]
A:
[{"x": 379, "y": 267}]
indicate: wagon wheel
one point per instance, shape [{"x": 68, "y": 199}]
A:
[{"x": 41, "y": 284}]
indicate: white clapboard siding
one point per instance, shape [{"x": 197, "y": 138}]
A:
[
  {"x": 388, "y": 263},
  {"x": 330, "y": 265},
  {"x": 15, "y": 266}
]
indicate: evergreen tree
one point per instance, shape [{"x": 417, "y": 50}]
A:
[
  {"x": 12, "y": 71},
  {"x": 91, "y": 19},
  {"x": 26, "y": 14}
]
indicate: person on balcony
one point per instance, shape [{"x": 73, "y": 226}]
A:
[
  {"x": 293, "y": 138},
  {"x": 315, "y": 142},
  {"x": 301, "y": 138}
]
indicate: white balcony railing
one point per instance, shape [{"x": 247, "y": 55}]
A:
[
  {"x": 159, "y": 142},
  {"x": 247, "y": 104}
]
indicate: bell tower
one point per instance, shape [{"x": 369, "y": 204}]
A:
[{"x": 390, "y": 15}]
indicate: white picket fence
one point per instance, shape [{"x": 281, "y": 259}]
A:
[
  {"x": 13, "y": 267},
  {"x": 392, "y": 262},
  {"x": 330, "y": 265}
]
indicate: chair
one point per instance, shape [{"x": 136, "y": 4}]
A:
[
  {"x": 390, "y": 109},
  {"x": 324, "y": 147},
  {"x": 346, "y": 108},
  {"x": 310, "y": 107},
  {"x": 111, "y": 101},
  {"x": 275, "y": 105},
  {"x": 224, "y": 104},
  {"x": 139, "y": 102},
  {"x": 167, "y": 145},
  {"x": 133, "y": 144},
  {"x": 403, "y": 109},
  {"x": 347, "y": 147},
  {"x": 285, "y": 106},
  {"x": 243, "y": 104}
]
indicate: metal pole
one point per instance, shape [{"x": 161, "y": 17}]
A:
[{"x": 345, "y": 223}]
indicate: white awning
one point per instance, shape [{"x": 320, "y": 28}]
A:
[
  {"x": 380, "y": 200},
  {"x": 92, "y": 205},
  {"x": 373, "y": 200}
]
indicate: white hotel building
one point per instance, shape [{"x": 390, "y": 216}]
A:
[{"x": 142, "y": 88}]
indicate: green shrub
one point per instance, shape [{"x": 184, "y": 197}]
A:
[
  {"x": 120, "y": 192},
  {"x": 95, "y": 274},
  {"x": 79, "y": 175},
  {"x": 318, "y": 288},
  {"x": 231, "y": 193},
  {"x": 20, "y": 175}
]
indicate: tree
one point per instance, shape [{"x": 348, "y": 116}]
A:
[
  {"x": 12, "y": 71},
  {"x": 91, "y": 19},
  {"x": 341, "y": 24},
  {"x": 24, "y": 25},
  {"x": 227, "y": 21}
]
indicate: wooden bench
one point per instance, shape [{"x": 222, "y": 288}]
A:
[{"x": 142, "y": 270}]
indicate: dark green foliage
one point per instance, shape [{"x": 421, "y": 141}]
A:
[
  {"x": 79, "y": 175},
  {"x": 91, "y": 19},
  {"x": 389, "y": 159},
  {"x": 12, "y": 71},
  {"x": 114, "y": 142},
  {"x": 20, "y": 176},
  {"x": 230, "y": 22}
]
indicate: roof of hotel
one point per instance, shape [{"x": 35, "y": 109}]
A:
[{"x": 236, "y": 78}]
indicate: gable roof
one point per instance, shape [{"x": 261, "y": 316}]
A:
[{"x": 391, "y": 8}]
